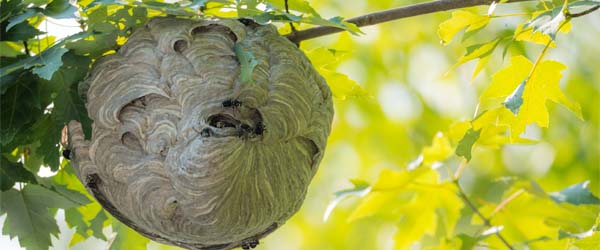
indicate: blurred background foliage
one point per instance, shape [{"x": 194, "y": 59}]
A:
[{"x": 402, "y": 117}]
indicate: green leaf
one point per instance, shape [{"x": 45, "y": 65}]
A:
[
  {"x": 15, "y": 66},
  {"x": 36, "y": 3},
  {"x": 548, "y": 22},
  {"x": 360, "y": 189},
  {"x": 10, "y": 49},
  {"x": 293, "y": 5},
  {"x": 27, "y": 215},
  {"x": 468, "y": 242},
  {"x": 576, "y": 194},
  {"x": 126, "y": 238},
  {"x": 60, "y": 9},
  {"x": 20, "y": 32},
  {"x": 97, "y": 224},
  {"x": 460, "y": 20},
  {"x": 20, "y": 106},
  {"x": 514, "y": 101},
  {"x": 482, "y": 51},
  {"x": 72, "y": 195},
  {"x": 94, "y": 45},
  {"x": 466, "y": 143},
  {"x": 21, "y": 18},
  {"x": 47, "y": 63},
  {"x": 48, "y": 134},
  {"x": 11, "y": 172},
  {"x": 337, "y": 22},
  {"x": 247, "y": 62},
  {"x": 68, "y": 104}
]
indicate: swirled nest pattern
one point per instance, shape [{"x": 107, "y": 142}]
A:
[{"x": 186, "y": 152}]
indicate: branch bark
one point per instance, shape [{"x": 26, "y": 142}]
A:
[
  {"x": 390, "y": 15},
  {"x": 486, "y": 221}
]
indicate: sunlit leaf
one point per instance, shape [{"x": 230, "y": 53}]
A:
[
  {"x": 439, "y": 150},
  {"x": 294, "y": 5},
  {"x": 360, "y": 189},
  {"x": 482, "y": 52},
  {"x": 326, "y": 61},
  {"x": 591, "y": 242},
  {"x": 460, "y": 20},
  {"x": 530, "y": 210},
  {"x": 126, "y": 238},
  {"x": 11, "y": 49},
  {"x": 541, "y": 86}
]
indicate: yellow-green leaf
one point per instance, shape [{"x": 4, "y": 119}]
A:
[
  {"x": 460, "y": 20},
  {"x": 126, "y": 238},
  {"x": 482, "y": 51},
  {"x": 342, "y": 86},
  {"x": 439, "y": 150},
  {"x": 541, "y": 86},
  {"x": 325, "y": 61}
]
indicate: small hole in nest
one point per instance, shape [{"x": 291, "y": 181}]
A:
[
  {"x": 215, "y": 27},
  {"x": 180, "y": 45},
  {"x": 248, "y": 22},
  {"x": 222, "y": 121}
]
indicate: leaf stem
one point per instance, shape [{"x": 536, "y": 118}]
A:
[
  {"x": 544, "y": 4},
  {"x": 539, "y": 59},
  {"x": 391, "y": 15},
  {"x": 26, "y": 48},
  {"x": 486, "y": 221},
  {"x": 585, "y": 12},
  {"x": 287, "y": 10},
  {"x": 511, "y": 15},
  {"x": 505, "y": 202}
]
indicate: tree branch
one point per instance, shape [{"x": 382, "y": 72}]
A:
[
  {"x": 390, "y": 15},
  {"x": 585, "y": 12},
  {"x": 485, "y": 220}
]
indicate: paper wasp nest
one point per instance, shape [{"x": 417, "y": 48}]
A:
[{"x": 187, "y": 152}]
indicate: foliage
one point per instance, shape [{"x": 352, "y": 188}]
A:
[{"x": 461, "y": 187}]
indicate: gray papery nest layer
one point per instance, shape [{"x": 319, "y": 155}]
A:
[{"x": 186, "y": 152}]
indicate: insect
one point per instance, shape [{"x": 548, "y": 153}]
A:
[
  {"x": 67, "y": 154},
  {"x": 231, "y": 103},
  {"x": 249, "y": 244},
  {"x": 205, "y": 132},
  {"x": 244, "y": 130},
  {"x": 260, "y": 128}
]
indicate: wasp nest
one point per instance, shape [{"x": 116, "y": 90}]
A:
[{"x": 185, "y": 150}]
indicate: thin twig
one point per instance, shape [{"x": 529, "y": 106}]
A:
[
  {"x": 485, "y": 220},
  {"x": 585, "y": 12},
  {"x": 390, "y": 15},
  {"x": 26, "y": 48},
  {"x": 460, "y": 169},
  {"x": 287, "y": 10},
  {"x": 505, "y": 202}
]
